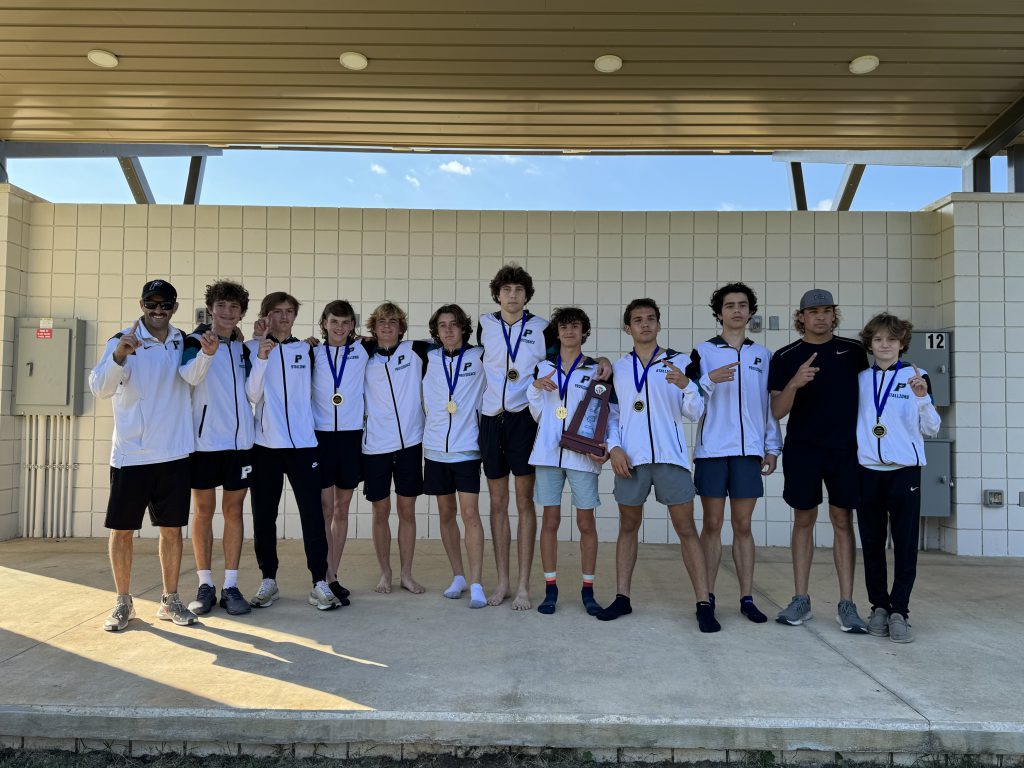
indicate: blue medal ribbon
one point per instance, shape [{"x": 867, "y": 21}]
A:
[
  {"x": 876, "y": 389},
  {"x": 564, "y": 389},
  {"x": 452, "y": 380},
  {"x": 512, "y": 352},
  {"x": 337, "y": 373},
  {"x": 640, "y": 380}
]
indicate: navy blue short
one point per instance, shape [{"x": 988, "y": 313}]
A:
[
  {"x": 738, "y": 477},
  {"x": 805, "y": 467},
  {"x": 341, "y": 458},
  {"x": 441, "y": 478},
  {"x": 404, "y": 466},
  {"x": 506, "y": 442}
]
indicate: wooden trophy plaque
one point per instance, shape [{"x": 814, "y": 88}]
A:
[{"x": 587, "y": 430}]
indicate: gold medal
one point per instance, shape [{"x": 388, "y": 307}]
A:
[
  {"x": 337, "y": 398},
  {"x": 512, "y": 374},
  {"x": 638, "y": 406},
  {"x": 561, "y": 412},
  {"x": 451, "y": 407},
  {"x": 879, "y": 430}
]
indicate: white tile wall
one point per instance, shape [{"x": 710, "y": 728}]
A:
[{"x": 958, "y": 266}]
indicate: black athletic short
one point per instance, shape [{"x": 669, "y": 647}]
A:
[
  {"x": 805, "y": 467},
  {"x": 231, "y": 469},
  {"x": 441, "y": 478},
  {"x": 404, "y": 466},
  {"x": 163, "y": 488},
  {"x": 341, "y": 458},
  {"x": 506, "y": 441}
]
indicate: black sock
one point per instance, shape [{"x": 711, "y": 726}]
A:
[
  {"x": 748, "y": 609},
  {"x": 706, "y": 617},
  {"x": 711, "y": 599},
  {"x": 340, "y": 592},
  {"x": 620, "y": 607},
  {"x": 550, "y": 598},
  {"x": 587, "y": 593}
]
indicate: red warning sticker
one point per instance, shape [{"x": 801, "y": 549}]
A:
[{"x": 44, "y": 333}]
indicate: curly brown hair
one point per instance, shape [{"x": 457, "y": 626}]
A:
[
  {"x": 226, "y": 290},
  {"x": 512, "y": 274},
  {"x": 883, "y": 321},
  {"x": 567, "y": 315},
  {"x": 388, "y": 309},
  {"x": 460, "y": 317}
]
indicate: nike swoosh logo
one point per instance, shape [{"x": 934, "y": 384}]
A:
[
  {"x": 843, "y": 352},
  {"x": 915, "y": 488}
]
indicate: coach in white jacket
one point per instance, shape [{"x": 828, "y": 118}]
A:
[{"x": 152, "y": 439}]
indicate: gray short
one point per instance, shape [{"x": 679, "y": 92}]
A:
[{"x": 672, "y": 485}]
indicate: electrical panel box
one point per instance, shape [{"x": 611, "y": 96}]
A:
[
  {"x": 49, "y": 359},
  {"x": 937, "y": 478},
  {"x": 933, "y": 352}
]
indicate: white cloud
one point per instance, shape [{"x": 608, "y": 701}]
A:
[
  {"x": 533, "y": 170},
  {"x": 824, "y": 205},
  {"x": 454, "y": 166},
  {"x": 511, "y": 159},
  {"x": 412, "y": 180},
  {"x": 726, "y": 207},
  {"x": 379, "y": 169}
]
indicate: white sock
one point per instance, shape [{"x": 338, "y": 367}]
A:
[
  {"x": 205, "y": 577},
  {"x": 230, "y": 579},
  {"x": 456, "y": 588},
  {"x": 477, "y": 598}
]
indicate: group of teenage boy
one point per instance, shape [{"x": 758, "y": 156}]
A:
[{"x": 424, "y": 417}]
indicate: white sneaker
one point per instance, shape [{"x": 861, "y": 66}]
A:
[
  {"x": 322, "y": 597},
  {"x": 265, "y": 595},
  {"x": 123, "y": 612}
]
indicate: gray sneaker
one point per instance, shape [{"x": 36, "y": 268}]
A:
[
  {"x": 797, "y": 612},
  {"x": 206, "y": 598},
  {"x": 878, "y": 623},
  {"x": 322, "y": 597},
  {"x": 123, "y": 612},
  {"x": 899, "y": 630},
  {"x": 265, "y": 595},
  {"x": 172, "y": 609},
  {"x": 848, "y": 619}
]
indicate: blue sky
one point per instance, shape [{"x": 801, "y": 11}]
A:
[{"x": 423, "y": 180}]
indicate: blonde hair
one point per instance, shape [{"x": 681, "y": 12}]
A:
[{"x": 388, "y": 310}]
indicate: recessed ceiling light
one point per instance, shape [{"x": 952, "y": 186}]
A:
[
  {"x": 102, "y": 58},
  {"x": 353, "y": 60},
  {"x": 608, "y": 63},
  {"x": 864, "y": 64}
]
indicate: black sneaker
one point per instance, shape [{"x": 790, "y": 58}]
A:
[
  {"x": 206, "y": 598},
  {"x": 340, "y": 592},
  {"x": 231, "y": 600}
]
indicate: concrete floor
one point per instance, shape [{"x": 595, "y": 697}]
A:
[{"x": 418, "y": 670}]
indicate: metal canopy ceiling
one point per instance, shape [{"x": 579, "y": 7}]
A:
[{"x": 703, "y": 75}]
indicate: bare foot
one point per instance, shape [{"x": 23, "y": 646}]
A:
[
  {"x": 384, "y": 585},
  {"x": 499, "y": 594},
  {"x": 522, "y": 601},
  {"x": 411, "y": 585}
]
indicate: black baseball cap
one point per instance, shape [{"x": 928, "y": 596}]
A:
[{"x": 159, "y": 288}]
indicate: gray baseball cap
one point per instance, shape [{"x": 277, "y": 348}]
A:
[{"x": 816, "y": 297}]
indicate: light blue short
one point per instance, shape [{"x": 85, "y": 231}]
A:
[{"x": 551, "y": 480}]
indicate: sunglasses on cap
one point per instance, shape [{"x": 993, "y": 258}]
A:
[{"x": 167, "y": 306}]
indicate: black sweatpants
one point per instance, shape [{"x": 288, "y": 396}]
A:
[
  {"x": 890, "y": 499},
  {"x": 270, "y": 465}
]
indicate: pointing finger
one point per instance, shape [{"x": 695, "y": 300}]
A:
[{"x": 917, "y": 371}]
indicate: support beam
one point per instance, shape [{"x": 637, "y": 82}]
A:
[
  {"x": 797, "y": 193},
  {"x": 136, "y": 180},
  {"x": 1015, "y": 168},
  {"x": 933, "y": 158},
  {"x": 848, "y": 187},
  {"x": 194, "y": 185},
  {"x": 977, "y": 175},
  {"x": 37, "y": 150},
  {"x": 3, "y": 162},
  {"x": 999, "y": 133}
]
